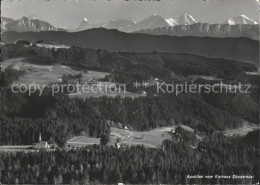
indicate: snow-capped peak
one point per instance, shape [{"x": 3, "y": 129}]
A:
[
  {"x": 244, "y": 16},
  {"x": 241, "y": 19},
  {"x": 231, "y": 22},
  {"x": 85, "y": 24},
  {"x": 153, "y": 21},
  {"x": 186, "y": 19},
  {"x": 29, "y": 23},
  {"x": 171, "y": 21},
  {"x": 154, "y": 17}
]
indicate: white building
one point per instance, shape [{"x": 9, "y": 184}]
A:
[
  {"x": 144, "y": 93},
  {"x": 41, "y": 144},
  {"x": 118, "y": 145}
]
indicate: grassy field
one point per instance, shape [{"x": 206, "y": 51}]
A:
[
  {"x": 47, "y": 74},
  {"x": 150, "y": 139},
  {"x": 82, "y": 141},
  {"x": 51, "y": 74},
  {"x": 241, "y": 131}
]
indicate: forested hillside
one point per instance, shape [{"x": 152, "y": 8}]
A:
[
  {"x": 241, "y": 49},
  {"x": 47, "y": 114},
  {"x": 153, "y": 64}
]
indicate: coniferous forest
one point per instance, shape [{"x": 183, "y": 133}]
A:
[{"x": 170, "y": 164}]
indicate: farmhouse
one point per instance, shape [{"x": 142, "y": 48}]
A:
[{"x": 144, "y": 93}]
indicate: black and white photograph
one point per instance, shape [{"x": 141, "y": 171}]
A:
[{"x": 130, "y": 92}]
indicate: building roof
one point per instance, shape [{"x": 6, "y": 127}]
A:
[{"x": 42, "y": 143}]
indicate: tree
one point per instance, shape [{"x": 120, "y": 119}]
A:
[
  {"x": 104, "y": 139},
  {"x": 2, "y": 79},
  {"x": 65, "y": 79},
  {"x": 61, "y": 141}
]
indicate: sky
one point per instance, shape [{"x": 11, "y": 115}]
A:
[{"x": 70, "y": 13}]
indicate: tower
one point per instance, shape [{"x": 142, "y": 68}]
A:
[{"x": 40, "y": 138}]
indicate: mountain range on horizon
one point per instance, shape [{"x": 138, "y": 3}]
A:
[
  {"x": 26, "y": 24},
  {"x": 157, "y": 21},
  {"x": 208, "y": 30},
  {"x": 185, "y": 25},
  {"x": 126, "y": 25},
  {"x": 241, "y": 19}
]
